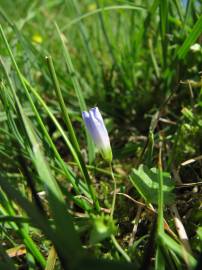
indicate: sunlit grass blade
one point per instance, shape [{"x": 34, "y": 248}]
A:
[
  {"x": 191, "y": 38},
  {"x": 55, "y": 197},
  {"x": 52, "y": 256},
  {"x": 20, "y": 229},
  {"x": 103, "y": 9},
  {"x": 78, "y": 90},
  {"x": 70, "y": 128},
  {"x": 43, "y": 128},
  {"x": 63, "y": 107},
  {"x": 159, "y": 259},
  {"x": 58, "y": 238},
  {"x": 81, "y": 164},
  {"x": 62, "y": 220},
  {"x": 160, "y": 227},
  {"x": 163, "y": 8},
  {"x": 87, "y": 46},
  {"x": 171, "y": 244},
  {"x": 159, "y": 263},
  {"x": 178, "y": 5},
  {"x": 106, "y": 37},
  {"x": 188, "y": 10}
]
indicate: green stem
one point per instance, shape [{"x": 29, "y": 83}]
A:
[
  {"x": 114, "y": 193},
  {"x": 78, "y": 90},
  {"x": 114, "y": 241},
  {"x": 21, "y": 230},
  {"x": 160, "y": 221},
  {"x": 63, "y": 107},
  {"x": 41, "y": 124},
  {"x": 97, "y": 169},
  {"x": 119, "y": 248},
  {"x": 77, "y": 158},
  {"x": 70, "y": 128}
]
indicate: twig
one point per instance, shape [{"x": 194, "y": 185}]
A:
[
  {"x": 136, "y": 221},
  {"x": 176, "y": 175},
  {"x": 136, "y": 202},
  {"x": 189, "y": 161},
  {"x": 167, "y": 121},
  {"x": 180, "y": 229},
  {"x": 192, "y": 184},
  {"x": 151, "y": 210}
]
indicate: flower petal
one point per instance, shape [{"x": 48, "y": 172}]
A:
[{"x": 96, "y": 127}]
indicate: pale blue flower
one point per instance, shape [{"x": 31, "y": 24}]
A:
[{"x": 96, "y": 127}]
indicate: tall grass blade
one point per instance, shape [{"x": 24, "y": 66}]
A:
[
  {"x": 163, "y": 9},
  {"x": 63, "y": 246},
  {"x": 71, "y": 129},
  {"x": 21, "y": 229},
  {"x": 64, "y": 111},
  {"x": 82, "y": 104},
  {"x": 191, "y": 38},
  {"x": 85, "y": 39},
  {"x": 62, "y": 220},
  {"x": 81, "y": 164},
  {"x": 103, "y": 9}
]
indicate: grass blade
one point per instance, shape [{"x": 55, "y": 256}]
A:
[
  {"x": 52, "y": 256},
  {"x": 62, "y": 220},
  {"x": 85, "y": 37},
  {"x": 171, "y": 244},
  {"x": 163, "y": 8},
  {"x": 192, "y": 37},
  {"x": 64, "y": 111},
  {"x": 21, "y": 230},
  {"x": 42, "y": 223},
  {"x": 103, "y": 9},
  {"x": 82, "y": 104},
  {"x": 71, "y": 130},
  {"x": 81, "y": 164}
]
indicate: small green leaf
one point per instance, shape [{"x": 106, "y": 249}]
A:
[
  {"x": 103, "y": 227},
  {"x": 146, "y": 182}
]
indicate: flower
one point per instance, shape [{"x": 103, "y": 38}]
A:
[
  {"x": 37, "y": 38},
  {"x": 96, "y": 127}
]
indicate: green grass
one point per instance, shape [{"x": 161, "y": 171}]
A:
[{"x": 139, "y": 62}]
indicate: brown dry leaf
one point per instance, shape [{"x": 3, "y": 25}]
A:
[{"x": 16, "y": 251}]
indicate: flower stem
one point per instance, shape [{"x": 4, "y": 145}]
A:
[
  {"x": 119, "y": 248},
  {"x": 114, "y": 193},
  {"x": 114, "y": 241}
]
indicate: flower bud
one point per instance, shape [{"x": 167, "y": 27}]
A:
[{"x": 96, "y": 127}]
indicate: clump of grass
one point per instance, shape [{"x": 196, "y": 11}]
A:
[{"x": 139, "y": 62}]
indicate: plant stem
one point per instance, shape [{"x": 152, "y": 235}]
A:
[
  {"x": 70, "y": 128},
  {"x": 114, "y": 193},
  {"x": 63, "y": 107},
  {"x": 115, "y": 242},
  {"x": 119, "y": 248},
  {"x": 160, "y": 222}
]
